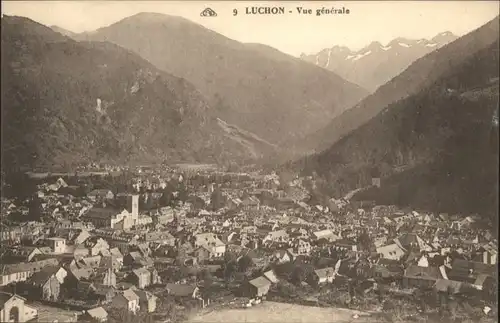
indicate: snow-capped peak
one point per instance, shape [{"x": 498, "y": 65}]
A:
[
  {"x": 359, "y": 56},
  {"x": 404, "y": 45},
  {"x": 328, "y": 59},
  {"x": 446, "y": 33}
]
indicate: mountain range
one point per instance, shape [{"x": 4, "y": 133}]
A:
[
  {"x": 375, "y": 64},
  {"x": 257, "y": 88},
  {"x": 432, "y": 137},
  {"x": 420, "y": 74},
  {"x": 66, "y": 102}
]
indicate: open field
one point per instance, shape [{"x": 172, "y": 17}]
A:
[{"x": 273, "y": 312}]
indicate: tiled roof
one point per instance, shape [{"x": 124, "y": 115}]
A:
[{"x": 260, "y": 282}]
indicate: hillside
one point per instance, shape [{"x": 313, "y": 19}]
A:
[
  {"x": 256, "y": 88},
  {"x": 419, "y": 75},
  {"x": 66, "y": 102},
  {"x": 437, "y": 149},
  {"x": 375, "y": 64}
]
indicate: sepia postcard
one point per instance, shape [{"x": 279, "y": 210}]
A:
[{"x": 239, "y": 161}]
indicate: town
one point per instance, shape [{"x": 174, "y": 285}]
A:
[{"x": 159, "y": 243}]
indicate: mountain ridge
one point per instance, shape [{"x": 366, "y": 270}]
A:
[
  {"x": 435, "y": 150},
  {"x": 419, "y": 74},
  {"x": 264, "y": 91},
  {"x": 69, "y": 102},
  {"x": 375, "y": 64}
]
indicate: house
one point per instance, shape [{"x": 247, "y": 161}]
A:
[
  {"x": 325, "y": 234},
  {"x": 251, "y": 203},
  {"x": 78, "y": 251},
  {"x": 271, "y": 276},
  {"x": 57, "y": 245},
  {"x": 203, "y": 254},
  {"x": 163, "y": 237},
  {"x": 81, "y": 237},
  {"x": 469, "y": 271},
  {"x": 76, "y": 274},
  {"x": 346, "y": 245},
  {"x": 258, "y": 287},
  {"x": 210, "y": 240},
  {"x": 249, "y": 229},
  {"x": 13, "y": 308},
  {"x": 423, "y": 261},
  {"x": 143, "y": 248},
  {"x": 412, "y": 241},
  {"x": 324, "y": 275},
  {"x": 302, "y": 247},
  {"x": 110, "y": 261},
  {"x": 127, "y": 299},
  {"x": 234, "y": 203},
  {"x": 141, "y": 277},
  {"x": 101, "y": 194},
  {"x": 423, "y": 277},
  {"x": 23, "y": 254},
  {"x": 483, "y": 282},
  {"x": 22, "y": 271},
  {"x": 392, "y": 251},
  {"x": 96, "y": 245},
  {"x": 90, "y": 262},
  {"x": 388, "y": 268},
  {"x": 135, "y": 259},
  {"x": 276, "y": 236},
  {"x": 448, "y": 286},
  {"x": 104, "y": 294},
  {"x": 282, "y": 256},
  {"x": 98, "y": 314},
  {"x": 43, "y": 285},
  {"x": 183, "y": 290},
  {"x": 110, "y": 218},
  {"x": 487, "y": 255},
  {"x": 147, "y": 300},
  {"x": 105, "y": 276}
]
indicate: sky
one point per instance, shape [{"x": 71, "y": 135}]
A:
[{"x": 291, "y": 33}]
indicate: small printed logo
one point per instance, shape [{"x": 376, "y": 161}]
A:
[{"x": 208, "y": 12}]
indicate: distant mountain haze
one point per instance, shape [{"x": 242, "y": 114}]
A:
[
  {"x": 70, "y": 102},
  {"x": 375, "y": 64},
  {"x": 255, "y": 87},
  {"x": 419, "y": 75}
]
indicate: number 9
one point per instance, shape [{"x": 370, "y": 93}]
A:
[{"x": 235, "y": 12}]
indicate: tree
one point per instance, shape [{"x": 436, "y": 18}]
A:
[
  {"x": 229, "y": 270},
  {"x": 35, "y": 209},
  {"x": 167, "y": 197},
  {"x": 244, "y": 263},
  {"x": 229, "y": 256},
  {"x": 167, "y": 308},
  {"x": 182, "y": 193},
  {"x": 20, "y": 185},
  {"x": 206, "y": 276},
  {"x": 217, "y": 200},
  {"x": 298, "y": 275},
  {"x": 365, "y": 241}
]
